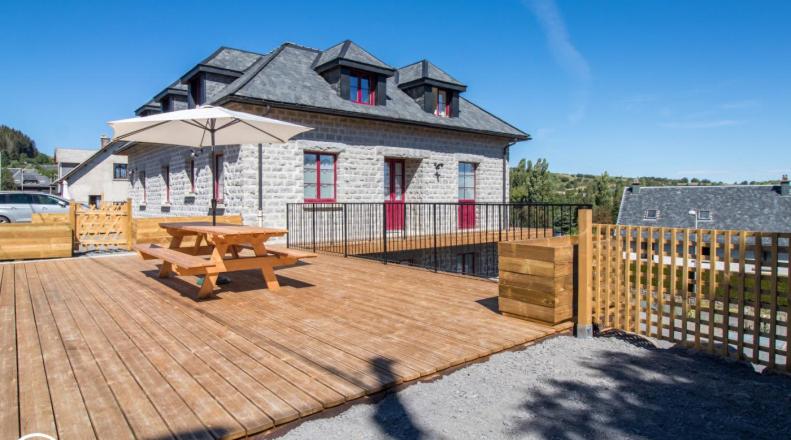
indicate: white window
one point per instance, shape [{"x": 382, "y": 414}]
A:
[
  {"x": 651, "y": 214},
  {"x": 704, "y": 215},
  {"x": 442, "y": 105}
]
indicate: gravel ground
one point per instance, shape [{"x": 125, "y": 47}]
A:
[{"x": 609, "y": 387}]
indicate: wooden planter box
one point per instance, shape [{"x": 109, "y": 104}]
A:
[{"x": 537, "y": 279}]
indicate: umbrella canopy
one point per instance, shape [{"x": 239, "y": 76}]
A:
[
  {"x": 205, "y": 126},
  {"x": 193, "y": 128}
]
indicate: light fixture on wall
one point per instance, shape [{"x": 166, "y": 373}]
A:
[{"x": 437, "y": 166}]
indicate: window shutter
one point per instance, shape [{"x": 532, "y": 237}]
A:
[
  {"x": 430, "y": 101},
  {"x": 344, "y": 88},
  {"x": 454, "y": 105},
  {"x": 381, "y": 90}
]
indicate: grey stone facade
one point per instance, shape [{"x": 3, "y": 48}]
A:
[{"x": 361, "y": 146}]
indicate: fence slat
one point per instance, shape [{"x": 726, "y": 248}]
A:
[
  {"x": 685, "y": 289},
  {"x": 698, "y": 283},
  {"x": 726, "y": 301},
  {"x": 673, "y": 281},
  {"x": 742, "y": 279},
  {"x": 757, "y": 269},
  {"x": 660, "y": 283},
  {"x": 638, "y": 282},
  {"x": 627, "y": 286},
  {"x": 772, "y": 301},
  {"x": 712, "y": 293}
]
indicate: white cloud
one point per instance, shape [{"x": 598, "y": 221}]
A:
[{"x": 564, "y": 52}]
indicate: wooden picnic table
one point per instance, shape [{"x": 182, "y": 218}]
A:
[{"x": 223, "y": 242}]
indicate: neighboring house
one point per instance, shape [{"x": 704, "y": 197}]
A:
[
  {"x": 764, "y": 208},
  {"x": 93, "y": 176},
  {"x": 29, "y": 179}
]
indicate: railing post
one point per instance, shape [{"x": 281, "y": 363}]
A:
[
  {"x": 345, "y": 240},
  {"x": 584, "y": 324},
  {"x": 434, "y": 222},
  {"x": 288, "y": 225},
  {"x": 384, "y": 232},
  {"x": 129, "y": 225},
  {"x": 314, "y": 227}
]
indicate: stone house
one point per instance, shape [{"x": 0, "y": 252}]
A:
[{"x": 380, "y": 133}]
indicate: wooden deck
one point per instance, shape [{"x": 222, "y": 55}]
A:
[{"x": 102, "y": 348}]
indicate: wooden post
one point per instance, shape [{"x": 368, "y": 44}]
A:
[
  {"x": 73, "y": 221},
  {"x": 584, "y": 325},
  {"x": 129, "y": 223}
]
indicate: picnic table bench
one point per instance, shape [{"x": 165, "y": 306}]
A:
[{"x": 223, "y": 242}]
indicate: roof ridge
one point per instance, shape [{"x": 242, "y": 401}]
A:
[
  {"x": 249, "y": 74},
  {"x": 728, "y": 185},
  {"x": 495, "y": 116}
]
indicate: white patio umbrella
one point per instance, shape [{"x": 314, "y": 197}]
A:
[{"x": 205, "y": 126}]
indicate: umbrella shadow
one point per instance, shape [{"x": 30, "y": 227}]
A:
[{"x": 392, "y": 417}]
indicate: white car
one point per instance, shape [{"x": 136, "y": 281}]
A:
[{"x": 19, "y": 207}]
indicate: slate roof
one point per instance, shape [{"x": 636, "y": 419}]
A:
[
  {"x": 737, "y": 207},
  {"x": 425, "y": 69},
  {"x": 350, "y": 51},
  {"x": 232, "y": 59},
  {"x": 286, "y": 77}
]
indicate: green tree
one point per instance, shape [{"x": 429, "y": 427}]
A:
[
  {"x": 531, "y": 182},
  {"x": 16, "y": 145}
]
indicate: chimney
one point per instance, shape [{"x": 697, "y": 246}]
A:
[
  {"x": 635, "y": 187},
  {"x": 104, "y": 140},
  {"x": 785, "y": 186}
]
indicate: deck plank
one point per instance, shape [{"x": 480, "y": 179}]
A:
[
  {"x": 35, "y": 403},
  {"x": 71, "y": 415},
  {"x": 9, "y": 415}
]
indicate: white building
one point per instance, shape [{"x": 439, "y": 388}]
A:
[{"x": 92, "y": 176}]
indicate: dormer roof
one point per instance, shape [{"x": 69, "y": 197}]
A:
[
  {"x": 175, "y": 89},
  {"x": 425, "y": 72},
  {"x": 349, "y": 54}
]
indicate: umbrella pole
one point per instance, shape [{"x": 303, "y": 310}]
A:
[{"x": 216, "y": 182}]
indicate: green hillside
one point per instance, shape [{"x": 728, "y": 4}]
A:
[
  {"x": 18, "y": 150},
  {"x": 533, "y": 182}
]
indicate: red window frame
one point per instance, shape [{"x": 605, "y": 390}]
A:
[
  {"x": 166, "y": 178},
  {"x": 318, "y": 198},
  {"x": 447, "y": 104},
  {"x": 191, "y": 174},
  {"x": 358, "y": 76},
  {"x": 219, "y": 187}
]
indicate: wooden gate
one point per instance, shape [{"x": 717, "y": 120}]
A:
[{"x": 102, "y": 228}]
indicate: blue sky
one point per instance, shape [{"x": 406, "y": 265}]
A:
[{"x": 653, "y": 87}]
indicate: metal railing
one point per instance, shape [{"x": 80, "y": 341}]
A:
[{"x": 451, "y": 237}]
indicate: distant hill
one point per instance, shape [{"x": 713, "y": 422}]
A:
[
  {"x": 19, "y": 151},
  {"x": 533, "y": 182},
  {"x": 16, "y": 145}
]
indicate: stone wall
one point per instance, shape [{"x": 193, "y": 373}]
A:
[{"x": 431, "y": 157}]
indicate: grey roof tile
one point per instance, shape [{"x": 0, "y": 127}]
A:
[
  {"x": 425, "y": 69},
  {"x": 349, "y": 50},
  {"x": 737, "y": 207},
  {"x": 287, "y": 76},
  {"x": 233, "y": 59}
]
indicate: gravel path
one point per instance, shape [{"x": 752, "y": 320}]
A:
[{"x": 565, "y": 388}]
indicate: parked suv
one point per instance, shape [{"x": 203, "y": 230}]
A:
[{"x": 17, "y": 206}]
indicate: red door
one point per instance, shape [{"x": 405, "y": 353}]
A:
[
  {"x": 394, "y": 194},
  {"x": 466, "y": 195}
]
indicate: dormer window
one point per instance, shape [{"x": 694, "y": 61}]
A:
[
  {"x": 651, "y": 214},
  {"x": 443, "y": 103},
  {"x": 704, "y": 215},
  {"x": 362, "y": 88}
]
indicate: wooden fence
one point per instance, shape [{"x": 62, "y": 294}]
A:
[
  {"x": 725, "y": 292},
  {"x": 20, "y": 241},
  {"x": 106, "y": 227}
]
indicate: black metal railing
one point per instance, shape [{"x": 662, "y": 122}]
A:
[{"x": 451, "y": 237}]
